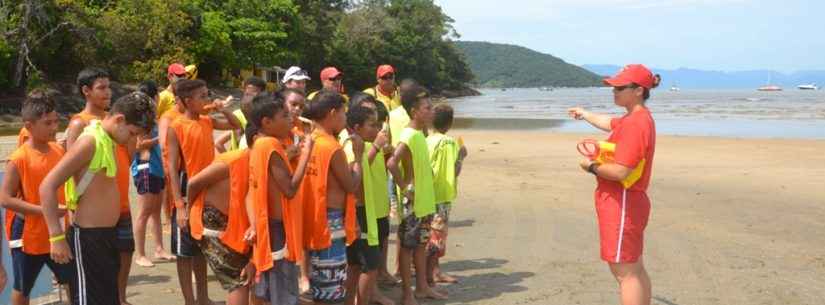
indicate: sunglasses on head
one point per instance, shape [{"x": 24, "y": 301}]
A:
[{"x": 300, "y": 73}]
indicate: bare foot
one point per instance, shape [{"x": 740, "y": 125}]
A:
[
  {"x": 303, "y": 285},
  {"x": 143, "y": 261},
  {"x": 387, "y": 280},
  {"x": 430, "y": 294},
  {"x": 163, "y": 255},
  {"x": 124, "y": 302},
  {"x": 445, "y": 278},
  {"x": 206, "y": 302},
  {"x": 380, "y": 298},
  {"x": 410, "y": 300}
]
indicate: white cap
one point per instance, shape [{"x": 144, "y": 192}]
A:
[{"x": 295, "y": 73}]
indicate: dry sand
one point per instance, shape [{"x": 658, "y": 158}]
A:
[{"x": 733, "y": 222}]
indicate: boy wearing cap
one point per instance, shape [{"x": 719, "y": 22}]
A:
[
  {"x": 331, "y": 80},
  {"x": 385, "y": 91},
  {"x": 166, "y": 98},
  {"x": 296, "y": 78}
]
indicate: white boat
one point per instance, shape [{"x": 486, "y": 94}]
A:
[
  {"x": 808, "y": 87},
  {"x": 675, "y": 88},
  {"x": 770, "y": 87}
]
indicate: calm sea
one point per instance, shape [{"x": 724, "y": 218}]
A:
[{"x": 724, "y": 113}]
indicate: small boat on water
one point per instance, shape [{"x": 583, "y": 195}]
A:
[
  {"x": 546, "y": 89},
  {"x": 808, "y": 87},
  {"x": 674, "y": 88},
  {"x": 770, "y": 88}
]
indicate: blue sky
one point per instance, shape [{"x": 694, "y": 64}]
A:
[{"x": 704, "y": 34}]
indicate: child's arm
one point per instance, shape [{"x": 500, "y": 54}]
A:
[
  {"x": 401, "y": 157},
  {"x": 250, "y": 234},
  {"x": 75, "y": 159},
  {"x": 462, "y": 154},
  {"x": 229, "y": 121},
  {"x": 8, "y": 194},
  {"x": 220, "y": 143},
  {"x": 174, "y": 178},
  {"x": 377, "y": 146},
  {"x": 73, "y": 131},
  {"x": 210, "y": 175},
  {"x": 348, "y": 176},
  {"x": 280, "y": 172}
]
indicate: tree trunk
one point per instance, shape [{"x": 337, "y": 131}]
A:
[{"x": 23, "y": 47}]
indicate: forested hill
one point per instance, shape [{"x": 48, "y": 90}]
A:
[{"x": 510, "y": 66}]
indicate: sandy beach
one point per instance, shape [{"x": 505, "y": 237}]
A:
[{"x": 733, "y": 222}]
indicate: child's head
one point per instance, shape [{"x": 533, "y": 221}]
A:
[
  {"x": 93, "y": 85},
  {"x": 131, "y": 115},
  {"x": 382, "y": 111},
  {"x": 362, "y": 99},
  {"x": 295, "y": 101},
  {"x": 246, "y": 105},
  {"x": 193, "y": 94},
  {"x": 253, "y": 86},
  {"x": 40, "y": 117},
  {"x": 416, "y": 102},
  {"x": 251, "y": 133},
  {"x": 270, "y": 116},
  {"x": 442, "y": 117},
  {"x": 363, "y": 121},
  {"x": 150, "y": 88},
  {"x": 327, "y": 109}
]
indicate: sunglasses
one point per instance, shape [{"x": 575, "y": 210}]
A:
[
  {"x": 388, "y": 77},
  {"x": 621, "y": 88},
  {"x": 180, "y": 75},
  {"x": 336, "y": 79}
]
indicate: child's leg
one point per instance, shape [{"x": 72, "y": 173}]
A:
[
  {"x": 123, "y": 275},
  {"x": 156, "y": 225},
  {"x": 238, "y": 296},
  {"x": 379, "y": 297},
  {"x": 184, "y": 266},
  {"x": 422, "y": 288},
  {"x": 353, "y": 272},
  {"x": 366, "y": 285},
  {"x": 634, "y": 283},
  {"x": 144, "y": 203},
  {"x": 405, "y": 260},
  {"x": 199, "y": 268}
]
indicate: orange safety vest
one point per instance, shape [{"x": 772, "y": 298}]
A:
[
  {"x": 315, "y": 202},
  {"x": 259, "y": 159},
  {"x": 237, "y": 222},
  {"x": 33, "y": 166},
  {"x": 122, "y": 178},
  {"x": 198, "y": 151}
]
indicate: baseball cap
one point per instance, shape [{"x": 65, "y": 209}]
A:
[
  {"x": 632, "y": 74},
  {"x": 384, "y": 70},
  {"x": 330, "y": 73},
  {"x": 176, "y": 69},
  {"x": 295, "y": 73}
]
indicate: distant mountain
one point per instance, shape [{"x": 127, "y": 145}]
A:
[
  {"x": 510, "y": 66},
  {"x": 704, "y": 79}
]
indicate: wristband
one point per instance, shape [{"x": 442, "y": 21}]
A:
[{"x": 57, "y": 238}]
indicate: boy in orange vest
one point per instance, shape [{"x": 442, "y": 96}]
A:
[
  {"x": 273, "y": 184},
  {"x": 330, "y": 179},
  {"x": 191, "y": 147},
  {"x": 25, "y": 226},
  {"x": 93, "y": 196}
]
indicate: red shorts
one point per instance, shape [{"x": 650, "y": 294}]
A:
[{"x": 622, "y": 217}]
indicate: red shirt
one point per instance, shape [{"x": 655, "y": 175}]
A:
[{"x": 635, "y": 137}]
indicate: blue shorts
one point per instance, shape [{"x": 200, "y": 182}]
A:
[
  {"x": 183, "y": 244},
  {"x": 145, "y": 182},
  {"x": 125, "y": 236},
  {"x": 27, "y": 266}
]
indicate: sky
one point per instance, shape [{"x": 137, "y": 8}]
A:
[{"x": 726, "y": 35}]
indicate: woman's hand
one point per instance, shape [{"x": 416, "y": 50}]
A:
[{"x": 577, "y": 113}]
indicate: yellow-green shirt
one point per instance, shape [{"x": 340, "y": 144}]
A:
[
  {"x": 376, "y": 197},
  {"x": 398, "y": 121},
  {"x": 424, "y": 204},
  {"x": 443, "y": 157},
  {"x": 391, "y": 102},
  {"x": 166, "y": 101},
  {"x": 235, "y": 144}
]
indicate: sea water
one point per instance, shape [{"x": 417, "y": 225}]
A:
[{"x": 723, "y": 113}]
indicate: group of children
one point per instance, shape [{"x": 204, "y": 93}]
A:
[{"x": 306, "y": 197}]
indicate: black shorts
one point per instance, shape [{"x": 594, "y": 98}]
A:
[
  {"x": 145, "y": 182},
  {"x": 360, "y": 252},
  {"x": 27, "y": 266},
  {"x": 97, "y": 263},
  {"x": 383, "y": 231},
  {"x": 125, "y": 236},
  {"x": 183, "y": 244}
]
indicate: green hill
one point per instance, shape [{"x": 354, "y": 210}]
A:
[{"x": 509, "y": 66}]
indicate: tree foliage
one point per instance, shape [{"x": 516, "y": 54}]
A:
[{"x": 137, "y": 39}]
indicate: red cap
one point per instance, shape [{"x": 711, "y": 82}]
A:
[
  {"x": 384, "y": 70},
  {"x": 635, "y": 74},
  {"x": 330, "y": 73},
  {"x": 176, "y": 69}
]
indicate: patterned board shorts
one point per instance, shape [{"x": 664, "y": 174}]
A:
[
  {"x": 225, "y": 262},
  {"x": 413, "y": 231},
  {"x": 437, "y": 245},
  {"x": 329, "y": 266}
]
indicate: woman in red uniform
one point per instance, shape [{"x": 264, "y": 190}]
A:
[{"x": 622, "y": 205}]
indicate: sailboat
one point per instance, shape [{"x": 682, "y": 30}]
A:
[
  {"x": 770, "y": 87},
  {"x": 808, "y": 87}
]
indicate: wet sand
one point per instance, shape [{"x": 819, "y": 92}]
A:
[{"x": 734, "y": 221}]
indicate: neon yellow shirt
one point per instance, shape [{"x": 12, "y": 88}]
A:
[
  {"x": 166, "y": 101},
  {"x": 376, "y": 197},
  {"x": 423, "y": 183},
  {"x": 391, "y": 102},
  {"x": 235, "y": 144},
  {"x": 443, "y": 157},
  {"x": 398, "y": 121},
  {"x": 104, "y": 158}
]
